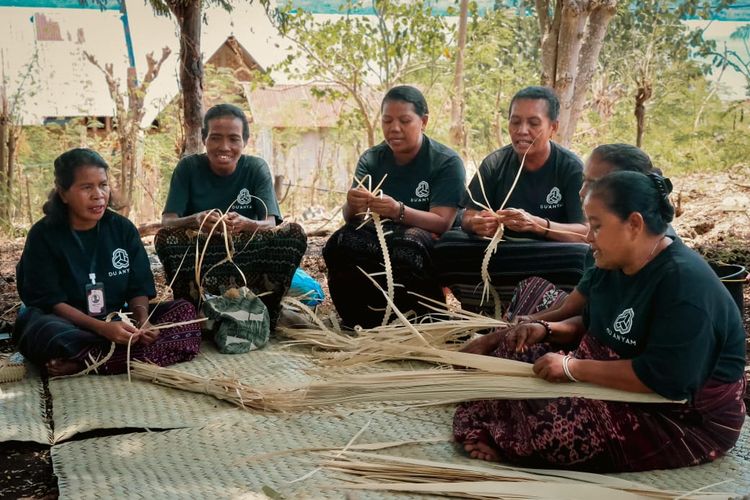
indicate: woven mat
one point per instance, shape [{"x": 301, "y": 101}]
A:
[
  {"x": 22, "y": 409},
  {"x": 96, "y": 402},
  {"x": 239, "y": 458}
]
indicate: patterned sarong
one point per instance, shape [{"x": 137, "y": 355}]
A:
[
  {"x": 357, "y": 300},
  {"x": 267, "y": 259},
  {"x": 42, "y": 337},
  {"x": 603, "y": 436}
]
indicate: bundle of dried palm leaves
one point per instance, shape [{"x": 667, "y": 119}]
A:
[
  {"x": 499, "y": 379},
  {"x": 393, "y": 473}
]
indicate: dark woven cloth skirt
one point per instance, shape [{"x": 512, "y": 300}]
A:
[
  {"x": 357, "y": 300},
  {"x": 458, "y": 261},
  {"x": 601, "y": 436},
  {"x": 267, "y": 259},
  {"x": 42, "y": 337}
]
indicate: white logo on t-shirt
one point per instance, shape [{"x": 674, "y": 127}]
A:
[
  {"x": 423, "y": 189},
  {"x": 244, "y": 197},
  {"x": 554, "y": 197},
  {"x": 624, "y": 322},
  {"x": 120, "y": 259}
]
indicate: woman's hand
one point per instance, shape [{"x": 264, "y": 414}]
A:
[
  {"x": 485, "y": 223},
  {"x": 118, "y": 332},
  {"x": 519, "y": 220},
  {"x": 550, "y": 368},
  {"x": 148, "y": 334},
  {"x": 237, "y": 223},
  {"x": 486, "y": 343},
  {"x": 357, "y": 199},
  {"x": 385, "y": 206},
  {"x": 523, "y": 335},
  {"x": 206, "y": 220}
]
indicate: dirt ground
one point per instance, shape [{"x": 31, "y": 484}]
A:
[{"x": 714, "y": 218}]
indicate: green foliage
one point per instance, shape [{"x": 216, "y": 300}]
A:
[{"x": 362, "y": 56}]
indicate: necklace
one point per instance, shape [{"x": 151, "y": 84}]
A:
[{"x": 651, "y": 255}]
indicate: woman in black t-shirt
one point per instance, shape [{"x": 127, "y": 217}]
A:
[
  {"x": 82, "y": 261},
  {"x": 422, "y": 183},
  {"x": 656, "y": 319}
]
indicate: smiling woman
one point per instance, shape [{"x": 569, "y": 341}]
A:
[
  {"x": 225, "y": 180},
  {"x": 82, "y": 261}
]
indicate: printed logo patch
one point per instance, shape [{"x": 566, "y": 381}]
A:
[
  {"x": 624, "y": 322},
  {"x": 120, "y": 259},
  {"x": 554, "y": 196},
  {"x": 423, "y": 189},
  {"x": 244, "y": 197}
]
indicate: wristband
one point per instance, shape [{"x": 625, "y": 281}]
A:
[{"x": 401, "y": 212}]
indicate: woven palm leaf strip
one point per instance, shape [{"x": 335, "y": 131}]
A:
[
  {"x": 486, "y": 480},
  {"x": 394, "y": 473}
]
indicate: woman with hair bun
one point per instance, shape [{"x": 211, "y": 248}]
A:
[
  {"x": 656, "y": 320},
  {"x": 82, "y": 261}
]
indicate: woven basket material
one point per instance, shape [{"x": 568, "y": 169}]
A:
[
  {"x": 239, "y": 457},
  {"x": 22, "y": 410},
  {"x": 92, "y": 402}
]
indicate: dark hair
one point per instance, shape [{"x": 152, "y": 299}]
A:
[
  {"x": 407, "y": 93},
  {"x": 66, "y": 166},
  {"x": 539, "y": 93},
  {"x": 648, "y": 194},
  {"x": 222, "y": 110},
  {"x": 625, "y": 158}
]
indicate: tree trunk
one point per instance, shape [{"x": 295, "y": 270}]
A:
[
  {"x": 642, "y": 95},
  {"x": 596, "y": 30},
  {"x": 188, "y": 15},
  {"x": 571, "y": 42},
  {"x": 457, "y": 131},
  {"x": 4, "y": 126},
  {"x": 568, "y": 52}
]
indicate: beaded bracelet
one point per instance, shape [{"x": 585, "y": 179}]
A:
[
  {"x": 566, "y": 368},
  {"x": 547, "y": 328},
  {"x": 401, "y": 212}
]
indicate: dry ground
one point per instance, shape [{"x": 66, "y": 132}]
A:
[{"x": 714, "y": 219}]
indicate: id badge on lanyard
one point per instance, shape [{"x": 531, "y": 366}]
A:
[
  {"x": 96, "y": 303},
  {"x": 95, "y": 300}
]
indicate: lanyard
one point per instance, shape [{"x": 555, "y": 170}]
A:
[{"x": 92, "y": 266}]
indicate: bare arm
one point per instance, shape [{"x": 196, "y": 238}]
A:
[
  {"x": 617, "y": 374},
  {"x": 571, "y": 306}
]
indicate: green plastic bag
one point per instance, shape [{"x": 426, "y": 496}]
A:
[{"x": 240, "y": 321}]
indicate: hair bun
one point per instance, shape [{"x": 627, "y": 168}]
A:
[{"x": 662, "y": 184}]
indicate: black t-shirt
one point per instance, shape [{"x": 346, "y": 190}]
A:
[
  {"x": 56, "y": 262},
  {"x": 434, "y": 178},
  {"x": 195, "y": 187},
  {"x": 673, "y": 318},
  {"x": 550, "y": 192}
]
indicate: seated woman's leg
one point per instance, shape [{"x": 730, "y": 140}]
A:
[
  {"x": 357, "y": 300},
  {"x": 175, "y": 344},
  {"x": 267, "y": 260},
  {"x": 52, "y": 342},
  {"x": 533, "y": 295},
  {"x": 601, "y": 436}
]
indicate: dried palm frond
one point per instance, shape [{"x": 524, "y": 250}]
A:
[
  {"x": 485, "y": 480},
  {"x": 510, "y": 380}
]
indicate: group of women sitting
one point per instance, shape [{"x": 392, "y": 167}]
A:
[{"x": 607, "y": 295}]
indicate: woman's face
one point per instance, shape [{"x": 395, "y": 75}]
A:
[
  {"x": 593, "y": 170},
  {"x": 611, "y": 239},
  {"x": 87, "y": 198},
  {"x": 224, "y": 144},
  {"x": 402, "y": 127}
]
